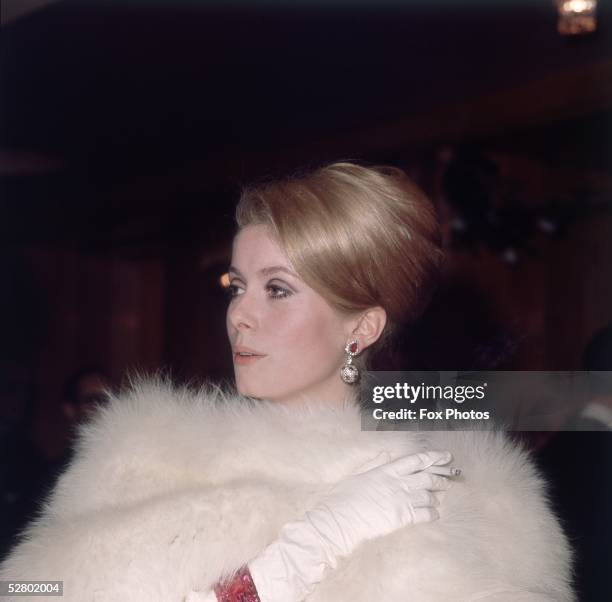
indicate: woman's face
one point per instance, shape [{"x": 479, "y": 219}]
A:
[{"x": 300, "y": 337}]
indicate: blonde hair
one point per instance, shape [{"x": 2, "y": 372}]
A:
[{"x": 360, "y": 236}]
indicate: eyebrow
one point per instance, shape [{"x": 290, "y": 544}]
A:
[{"x": 266, "y": 271}]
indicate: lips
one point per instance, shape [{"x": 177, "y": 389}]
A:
[
  {"x": 245, "y": 360},
  {"x": 242, "y": 349}
]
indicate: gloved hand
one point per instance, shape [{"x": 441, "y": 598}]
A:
[{"x": 361, "y": 507}]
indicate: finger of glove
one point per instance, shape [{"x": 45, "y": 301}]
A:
[
  {"x": 381, "y": 459},
  {"x": 424, "y": 515},
  {"x": 410, "y": 464},
  {"x": 427, "y": 480},
  {"x": 439, "y": 495},
  {"x": 422, "y": 498}
]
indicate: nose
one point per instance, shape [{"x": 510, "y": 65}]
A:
[{"x": 240, "y": 314}]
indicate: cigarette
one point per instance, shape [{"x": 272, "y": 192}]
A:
[{"x": 445, "y": 471}]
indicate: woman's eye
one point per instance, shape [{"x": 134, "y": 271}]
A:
[
  {"x": 231, "y": 290},
  {"x": 275, "y": 292},
  {"x": 278, "y": 291}
]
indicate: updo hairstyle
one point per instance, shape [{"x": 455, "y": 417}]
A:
[{"x": 360, "y": 236}]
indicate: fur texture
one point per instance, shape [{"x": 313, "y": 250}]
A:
[{"x": 172, "y": 489}]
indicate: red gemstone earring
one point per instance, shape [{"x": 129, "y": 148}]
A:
[{"x": 349, "y": 373}]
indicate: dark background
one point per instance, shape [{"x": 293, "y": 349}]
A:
[{"x": 127, "y": 130}]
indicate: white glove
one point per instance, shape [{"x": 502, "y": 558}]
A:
[{"x": 361, "y": 507}]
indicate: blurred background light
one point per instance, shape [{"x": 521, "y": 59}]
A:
[{"x": 576, "y": 16}]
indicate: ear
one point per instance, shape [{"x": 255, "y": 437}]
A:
[{"x": 369, "y": 326}]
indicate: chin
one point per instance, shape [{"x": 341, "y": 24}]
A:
[
  {"x": 255, "y": 392},
  {"x": 245, "y": 389}
]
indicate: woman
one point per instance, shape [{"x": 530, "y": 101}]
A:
[{"x": 273, "y": 491}]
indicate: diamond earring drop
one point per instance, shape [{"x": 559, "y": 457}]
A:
[{"x": 349, "y": 373}]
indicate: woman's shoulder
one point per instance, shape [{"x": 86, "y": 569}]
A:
[
  {"x": 498, "y": 468},
  {"x": 151, "y": 436},
  {"x": 152, "y": 410},
  {"x": 496, "y": 520},
  {"x": 502, "y": 484}
]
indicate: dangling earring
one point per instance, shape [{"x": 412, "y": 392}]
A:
[{"x": 349, "y": 373}]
